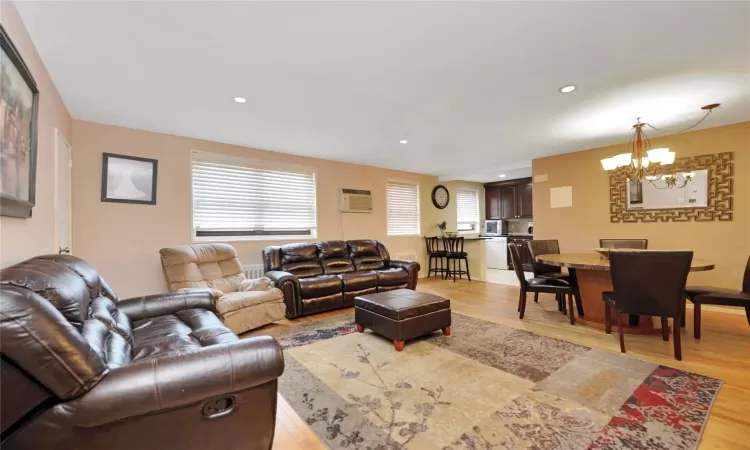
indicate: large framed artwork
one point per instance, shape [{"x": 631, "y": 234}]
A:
[
  {"x": 708, "y": 197},
  {"x": 19, "y": 104},
  {"x": 128, "y": 179}
]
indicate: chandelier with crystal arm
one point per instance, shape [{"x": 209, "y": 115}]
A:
[{"x": 644, "y": 163}]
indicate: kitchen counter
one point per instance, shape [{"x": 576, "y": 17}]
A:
[{"x": 475, "y": 247}]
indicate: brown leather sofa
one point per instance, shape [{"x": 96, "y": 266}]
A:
[
  {"x": 327, "y": 275},
  {"x": 84, "y": 370}
]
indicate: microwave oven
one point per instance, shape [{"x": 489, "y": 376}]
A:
[{"x": 494, "y": 227}]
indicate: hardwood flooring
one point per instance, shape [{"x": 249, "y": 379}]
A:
[{"x": 722, "y": 352}]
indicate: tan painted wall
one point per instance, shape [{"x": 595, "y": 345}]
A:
[
  {"x": 122, "y": 241},
  {"x": 24, "y": 238},
  {"x": 579, "y": 227},
  {"x": 475, "y": 249},
  {"x": 449, "y": 214}
]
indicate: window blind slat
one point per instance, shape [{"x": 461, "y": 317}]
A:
[
  {"x": 467, "y": 206},
  {"x": 241, "y": 200},
  {"x": 403, "y": 209}
]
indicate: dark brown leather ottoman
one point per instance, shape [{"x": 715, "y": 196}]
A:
[{"x": 402, "y": 314}]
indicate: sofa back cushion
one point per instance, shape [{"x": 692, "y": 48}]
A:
[
  {"x": 301, "y": 260},
  {"x": 365, "y": 255},
  {"x": 41, "y": 340},
  {"x": 334, "y": 257},
  {"x": 96, "y": 284},
  {"x": 213, "y": 266},
  {"x": 63, "y": 288}
]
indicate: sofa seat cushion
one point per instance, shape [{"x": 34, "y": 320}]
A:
[
  {"x": 392, "y": 277},
  {"x": 186, "y": 330},
  {"x": 358, "y": 281},
  {"x": 320, "y": 286},
  {"x": 233, "y": 301}
]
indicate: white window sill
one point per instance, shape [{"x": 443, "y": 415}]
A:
[
  {"x": 404, "y": 235},
  {"x": 219, "y": 239}
]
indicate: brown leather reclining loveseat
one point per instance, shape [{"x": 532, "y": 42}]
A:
[
  {"x": 327, "y": 275},
  {"x": 84, "y": 370}
]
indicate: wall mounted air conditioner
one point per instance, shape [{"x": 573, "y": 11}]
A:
[{"x": 356, "y": 201}]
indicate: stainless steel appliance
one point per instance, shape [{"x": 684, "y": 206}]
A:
[
  {"x": 531, "y": 228},
  {"x": 496, "y": 256},
  {"x": 494, "y": 228}
]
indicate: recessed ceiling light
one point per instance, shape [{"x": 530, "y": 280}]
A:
[
  {"x": 502, "y": 175},
  {"x": 240, "y": 99},
  {"x": 568, "y": 88},
  {"x": 403, "y": 141}
]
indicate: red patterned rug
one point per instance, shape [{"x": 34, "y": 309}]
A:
[{"x": 487, "y": 386}]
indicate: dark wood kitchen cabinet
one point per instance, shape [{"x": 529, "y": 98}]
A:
[
  {"x": 492, "y": 202},
  {"x": 508, "y": 202},
  {"x": 523, "y": 200},
  {"x": 508, "y": 199}
]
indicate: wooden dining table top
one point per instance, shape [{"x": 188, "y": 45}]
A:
[{"x": 594, "y": 261}]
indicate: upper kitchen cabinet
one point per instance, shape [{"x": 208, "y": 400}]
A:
[
  {"x": 523, "y": 200},
  {"x": 492, "y": 202},
  {"x": 508, "y": 199},
  {"x": 508, "y": 203}
]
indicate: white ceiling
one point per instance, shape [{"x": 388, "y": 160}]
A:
[{"x": 473, "y": 87}]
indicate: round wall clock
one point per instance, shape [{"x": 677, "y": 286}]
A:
[{"x": 440, "y": 196}]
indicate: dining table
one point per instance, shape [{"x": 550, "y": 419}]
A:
[{"x": 592, "y": 274}]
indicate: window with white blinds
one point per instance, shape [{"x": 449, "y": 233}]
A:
[
  {"x": 241, "y": 198},
  {"x": 403, "y": 209},
  {"x": 467, "y": 206}
]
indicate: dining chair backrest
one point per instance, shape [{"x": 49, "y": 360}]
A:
[
  {"x": 453, "y": 244},
  {"x": 624, "y": 243},
  {"x": 433, "y": 244},
  {"x": 746, "y": 278},
  {"x": 650, "y": 283},
  {"x": 543, "y": 247},
  {"x": 515, "y": 257}
]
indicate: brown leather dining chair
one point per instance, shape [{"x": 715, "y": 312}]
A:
[
  {"x": 560, "y": 288},
  {"x": 706, "y": 295},
  {"x": 641, "y": 244},
  {"x": 541, "y": 270},
  {"x": 545, "y": 247},
  {"x": 648, "y": 283}
]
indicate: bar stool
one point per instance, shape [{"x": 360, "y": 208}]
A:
[
  {"x": 454, "y": 251},
  {"x": 434, "y": 253}
]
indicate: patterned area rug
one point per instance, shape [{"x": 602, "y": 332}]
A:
[{"x": 487, "y": 386}]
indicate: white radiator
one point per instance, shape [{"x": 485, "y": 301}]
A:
[
  {"x": 253, "y": 271},
  {"x": 405, "y": 256}
]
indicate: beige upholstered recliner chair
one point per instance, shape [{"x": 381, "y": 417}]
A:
[{"x": 242, "y": 304}]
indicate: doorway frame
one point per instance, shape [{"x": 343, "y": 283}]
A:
[{"x": 60, "y": 138}]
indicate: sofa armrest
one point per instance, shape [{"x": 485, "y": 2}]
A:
[
  {"x": 179, "y": 380},
  {"x": 138, "y": 308},
  {"x": 410, "y": 266},
  {"x": 289, "y": 286}
]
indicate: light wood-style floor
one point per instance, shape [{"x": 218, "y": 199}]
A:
[{"x": 722, "y": 352}]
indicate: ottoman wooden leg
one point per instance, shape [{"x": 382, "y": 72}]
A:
[
  {"x": 360, "y": 328},
  {"x": 399, "y": 345},
  {"x": 447, "y": 331}
]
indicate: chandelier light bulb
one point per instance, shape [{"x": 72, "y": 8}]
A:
[
  {"x": 609, "y": 164},
  {"x": 668, "y": 158},
  {"x": 657, "y": 155}
]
